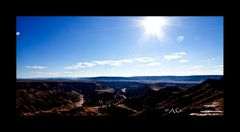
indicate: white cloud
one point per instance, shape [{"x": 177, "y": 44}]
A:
[
  {"x": 180, "y": 38},
  {"x": 85, "y": 64},
  {"x": 175, "y": 55},
  {"x": 108, "y": 62},
  {"x": 151, "y": 64},
  {"x": 113, "y": 62},
  {"x": 36, "y": 67},
  {"x": 144, "y": 59},
  {"x": 71, "y": 67},
  {"x": 198, "y": 67},
  {"x": 120, "y": 62},
  {"x": 126, "y": 60},
  {"x": 80, "y": 65},
  {"x": 101, "y": 62},
  {"x": 180, "y": 53},
  {"x": 183, "y": 61},
  {"x": 17, "y": 33}
]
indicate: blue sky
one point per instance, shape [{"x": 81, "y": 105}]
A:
[{"x": 81, "y": 46}]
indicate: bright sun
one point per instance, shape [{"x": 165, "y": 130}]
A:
[{"x": 154, "y": 26}]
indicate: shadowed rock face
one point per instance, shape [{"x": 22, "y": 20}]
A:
[
  {"x": 203, "y": 99},
  {"x": 75, "y": 98},
  {"x": 64, "y": 98}
]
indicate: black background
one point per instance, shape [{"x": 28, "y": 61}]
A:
[{"x": 118, "y": 123}]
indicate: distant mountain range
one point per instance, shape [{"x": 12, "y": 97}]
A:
[{"x": 169, "y": 79}]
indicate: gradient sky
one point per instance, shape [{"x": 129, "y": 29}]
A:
[{"x": 118, "y": 46}]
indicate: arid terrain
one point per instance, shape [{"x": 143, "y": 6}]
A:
[{"x": 109, "y": 98}]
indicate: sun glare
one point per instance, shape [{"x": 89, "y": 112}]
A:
[{"x": 154, "y": 26}]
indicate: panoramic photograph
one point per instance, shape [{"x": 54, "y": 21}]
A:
[{"x": 133, "y": 66}]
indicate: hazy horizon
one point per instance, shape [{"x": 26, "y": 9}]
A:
[
  {"x": 118, "y": 76},
  {"x": 49, "y": 47}
]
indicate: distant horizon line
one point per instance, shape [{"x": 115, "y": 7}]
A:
[{"x": 119, "y": 76}]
